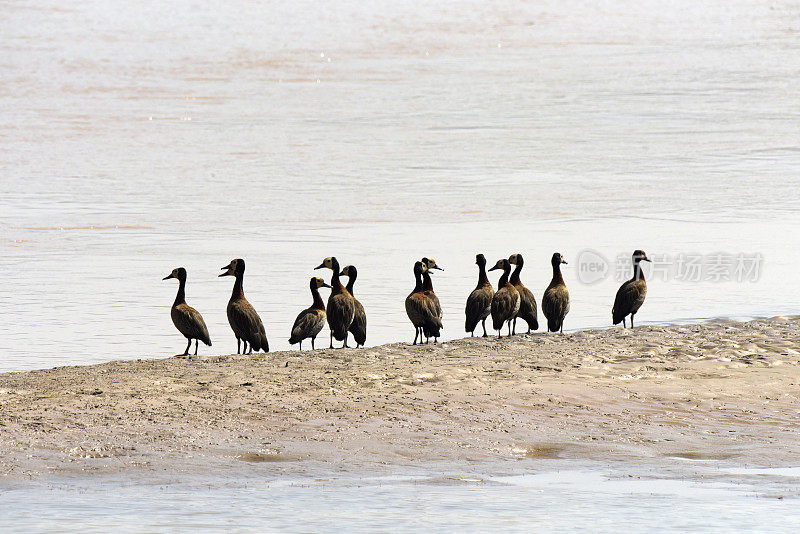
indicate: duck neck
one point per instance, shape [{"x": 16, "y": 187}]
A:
[
  {"x": 318, "y": 302},
  {"x": 504, "y": 279},
  {"x": 351, "y": 282},
  {"x": 638, "y": 274},
  {"x": 427, "y": 283},
  {"x": 238, "y": 287},
  {"x": 418, "y": 286},
  {"x": 336, "y": 283},
  {"x": 483, "y": 278},
  {"x": 515, "y": 274},
  {"x": 557, "y": 278},
  {"x": 180, "y": 298}
]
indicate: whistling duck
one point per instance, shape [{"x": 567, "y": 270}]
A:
[
  {"x": 527, "y": 305},
  {"x": 310, "y": 321},
  {"x": 479, "y": 302},
  {"x": 555, "y": 302},
  {"x": 341, "y": 305},
  {"x": 420, "y": 310},
  {"x": 427, "y": 287},
  {"x": 187, "y": 320},
  {"x": 359, "y": 326},
  {"x": 244, "y": 321},
  {"x": 506, "y": 302},
  {"x": 630, "y": 295}
]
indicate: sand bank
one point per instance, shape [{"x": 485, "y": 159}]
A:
[{"x": 721, "y": 390}]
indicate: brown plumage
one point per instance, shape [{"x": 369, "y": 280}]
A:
[
  {"x": 506, "y": 302},
  {"x": 555, "y": 302},
  {"x": 244, "y": 321},
  {"x": 359, "y": 326},
  {"x": 310, "y": 321},
  {"x": 420, "y": 310},
  {"x": 527, "y": 303},
  {"x": 631, "y": 294},
  {"x": 186, "y": 319},
  {"x": 341, "y": 304},
  {"x": 427, "y": 287},
  {"x": 479, "y": 302}
]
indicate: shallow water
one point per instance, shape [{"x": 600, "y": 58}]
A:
[
  {"x": 560, "y": 497},
  {"x": 135, "y": 140}
]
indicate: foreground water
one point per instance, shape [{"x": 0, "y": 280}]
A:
[{"x": 561, "y": 496}]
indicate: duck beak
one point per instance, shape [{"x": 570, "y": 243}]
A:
[
  {"x": 647, "y": 260},
  {"x": 564, "y": 262},
  {"x": 437, "y": 268},
  {"x": 494, "y": 268},
  {"x": 169, "y": 276},
  {"x": 326, "y": 285},
  {"x": 226, "y": 273},
  {"x": 320, "y": 266}
]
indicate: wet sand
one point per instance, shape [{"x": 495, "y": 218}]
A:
[{"x": 721, "y": 390}]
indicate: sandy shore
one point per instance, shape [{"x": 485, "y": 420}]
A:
[{"x": 722, "y": 390}]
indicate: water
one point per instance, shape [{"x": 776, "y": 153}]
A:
[
  {"x": 567, "y": 496},
  {"x": 138, "y": 137}
]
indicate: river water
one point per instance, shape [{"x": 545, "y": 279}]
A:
[{"x": 136, "y": 137}]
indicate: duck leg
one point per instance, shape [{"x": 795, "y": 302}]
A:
[
  {"x": 312, "y": 342},
  {"x": 186, "y": 352},
  {"x": 344, "y": 345},
  {"x": 515, "y": 327},
  {"x": 416, "y": 333},
  {"x": 244, "y": 349},
  {"x": 632, "y": 319},
  {"x": 623, "y": 323},
  {"x": 196, "y": 342},
  {"x": 483, "y": 322},
  {"x": 238, "y": 345},
  {"x": 301, "y": 345},
  {"x": 331, "y": 338}
]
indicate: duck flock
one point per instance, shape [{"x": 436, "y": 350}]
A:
[{"x": 345, "y": 315}]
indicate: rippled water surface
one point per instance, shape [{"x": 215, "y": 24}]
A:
[
  {"x": 138, "y": 137},
  {"x": 565, "y": 498}
]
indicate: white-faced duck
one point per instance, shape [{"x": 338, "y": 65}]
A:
[
  {"x": 506, "y": 302},
  {"x": 555, "y": 302},
  {"x": 244, "y": 321},
  {"x": 341, "y": 305},
  {"x": 359, "y": 326},
  {"x": 187, "y": 320},
  {"x": 479, "y": 302},
  {"x": 527, "y": 304},
  {"x": 420, "y": 309},
  {"x": 631, "y": 294},
  {"x": 310, "y": 321},
  {"x": 427, "y": 287}
]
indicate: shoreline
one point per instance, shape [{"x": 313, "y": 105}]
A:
[{"x": 720, "y": 390}]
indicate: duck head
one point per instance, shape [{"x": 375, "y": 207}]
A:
[
  {"x": 480, "y": 260},
  {"x": 430, "y": 263},
  {"x": 515, "y": 259},
  {"x": 234, "y": 268},
  {"x": 502, "y": 263},
  {"x": 557, "y": 259},
  {"x": 317, "y": 282},
  {"x": 328, "y": 263},
  {"x": 639, "y": 255},
  {"x": 179, "y": 273}
]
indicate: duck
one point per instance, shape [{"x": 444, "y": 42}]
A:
[
  {"x": 310, "y": 321},
  {"x": 186, "y": 319},
  {"x": 341, "y": 304},
  {"x": 631, "y": 294},
  {"x": 244, "y": 321},
  {"x": 555, "y": 301},
  {"x": 506, "y": 302},
  {"x": 420, "y": 310},
  {"x": 359, "y": 326},
  {"x": 427, "y": 287},
  {"x": 479, "y": 302},
  {"x": 527, "y": 305}
]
